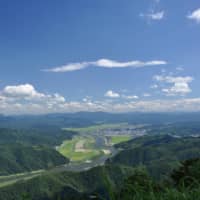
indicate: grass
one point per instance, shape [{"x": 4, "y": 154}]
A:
[
  {"x": 87, "y": 152},
  {"x": 167, "y": 194},
  {"x": 119, "y": 138}
]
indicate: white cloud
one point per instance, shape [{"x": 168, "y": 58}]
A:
[
  {"x": 87, "y": 99},
  {"x": 112, "y": 94},
  {"x": 192, "y": 104},
  {"x": 25, "y": 91},
  {"x": 146, "y": 95},
  {"x": 153, "y": 15},
  {"x": 13, "y": 100},
  {"x": 69, "y": 67},
  {"x": 180, "y": 69},
  {"x": 180, "y": 84},
  {"x": 84, "y": 99},
  {"x": 25, "y": 99},
  {"x": 130, "y": 97},
  {"x": 195, "y": 15},
  {"x": 156, "y": 15},
  {"x": 105, "y": 63},
  {"x": 154, "y": 86},
  {"x": 25, "y": 95}
]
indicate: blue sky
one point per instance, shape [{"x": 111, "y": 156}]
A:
[{"x": 109, "y": 55}]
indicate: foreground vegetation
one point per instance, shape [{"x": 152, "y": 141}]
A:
[
  {"x": 110, "y": 182},
  {"x": 183, "y": 184},
  {"x": 148, "y": 168},
  {"x": 160, "y": 154}
]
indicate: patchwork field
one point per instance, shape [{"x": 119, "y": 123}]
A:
[
  {"x": 94, "y": 141},
  {"x": 79, "y": 149}
]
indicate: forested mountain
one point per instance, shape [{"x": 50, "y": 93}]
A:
[
  {"x": 160, "y": 154},
  {"x": 18, "y": 158},
  {"x": 182, "y": 184},
  {"x": 124, "y": 176},
  {"x": 23, "y": 150},
  {"x": 97, "y": 182},
  {"x": 145, "y": 163},
  {"x": 110, "y": 182},
  {"x": 49, "y": 136},
  {"x": 84, "y": 119}
]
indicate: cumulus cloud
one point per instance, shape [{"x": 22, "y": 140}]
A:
[
  {"x": 25, "y": 90},
  {"x": 26, "y": 96},
  {"x": 180, "y": 85},
  {"x": 105, "y": 63},
  {"x": 190, "y": 104},
  {"x": 153, "y": 15},
  {"x": 195, "y": 15},
  {"x": 112, "y": 94},
  {"x": 21, "y": 99}
]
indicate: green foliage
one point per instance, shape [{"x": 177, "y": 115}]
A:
[
  {"x": 188, "y": 175},
  {"x": 17, "y": 158},
  {"x": 109, "y": 182},
  {"x": 99, "y": 181},
  {"x": 141, "y": 187},
  {"x": 23, "y": 150},
  {"x": 160, "y": 154},
  {"x": 32, "y": 148},
  {"x": 48, "y": 137}
]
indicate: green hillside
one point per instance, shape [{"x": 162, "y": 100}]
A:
[
  {"x": 109, "y": 182},
  {"x": 49, "y": 136},
  {"x": 17, "y": 158},
  {"x": 125, "y": 176},
  {"x": 160, "y": 154},
  {"x": 99, "y": 182},
  {"x": 182, "y": 184},
  {"x": 24, "y": 150}
]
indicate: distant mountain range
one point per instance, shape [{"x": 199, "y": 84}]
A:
[{"x": 82, "y": 119}]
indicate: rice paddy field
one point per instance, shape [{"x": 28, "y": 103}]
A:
[
  {"x": 79, "y": 149},
  {"x": 84, "y": 147}
]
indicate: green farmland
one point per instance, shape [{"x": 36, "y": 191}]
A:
[
  {"x": 91, "y": 129},
  {"x": 118, "y": 139},
  {"x": 79, "y": 149}
]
